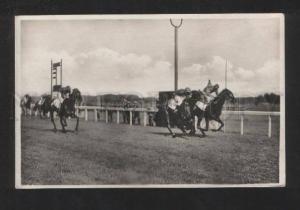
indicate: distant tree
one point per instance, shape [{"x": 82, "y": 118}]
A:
[
  {"x": 259, "y": 99},
  {"x": 272, "y": 99}
]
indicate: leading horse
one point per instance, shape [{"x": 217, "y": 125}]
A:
[
  {"x": 211, "y": 111},
  {"x": 66, "y": 109}
]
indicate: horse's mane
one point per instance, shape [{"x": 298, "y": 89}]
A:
[{"x": 225, "y": 90}]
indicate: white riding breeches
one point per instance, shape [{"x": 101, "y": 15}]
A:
[
  {"x": 57, "y": 102},
  {"x": 201, "y": 105}
]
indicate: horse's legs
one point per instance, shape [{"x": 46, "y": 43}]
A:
[
  {"x": 52, "y": 120},
  {"x": 168, "y": 124},
  {"x": 65, "y": 121},
  {"x": 40, "y": 113},
  {"x": 181, "y": 127},
  {"x": 221, "y": 122},
  {"x": 62, "y": 123},
  {"x": 192, "y": 126},
  {"x": 206, "y": 123},
  {"x": 77, "y": 122},
  {"x": 199, "y": 113}
]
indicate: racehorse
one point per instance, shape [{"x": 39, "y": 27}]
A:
[
  {"x": 43, "y": 105},
  {"x": 177, "y": 115},
  {"x": 66, "y": 109},
  {"x": 26, "y": 102},
  {"x": 211, "y": 111}
]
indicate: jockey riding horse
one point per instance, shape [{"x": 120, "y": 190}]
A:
[
  {"x": 209, "y": 90},
  {"x": 64, "y": 93},
  {"x": 178, "y": 111},
  {"x": 205, "y": 97},
  {"x": 208, "y": 95},
  {"x": 64, "y": 106}
]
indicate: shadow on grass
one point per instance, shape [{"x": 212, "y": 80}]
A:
[
  {"x": 180, "y": 135},
  {"x": 58, "y": 130}
]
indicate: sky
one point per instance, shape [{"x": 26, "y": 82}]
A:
[{"x": 137, "y": 55}]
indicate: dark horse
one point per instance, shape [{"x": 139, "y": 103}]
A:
[
  {"x": 181, "y": 116},
  {"x": 213, "y": 109},
  {"x": 67, "y": 109}
]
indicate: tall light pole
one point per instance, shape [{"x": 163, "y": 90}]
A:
[
  {"x": 226, "y": 74},
  {"x": 176, "y": 52}
]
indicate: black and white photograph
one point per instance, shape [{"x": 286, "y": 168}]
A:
[{"x": 150, "y": 101}]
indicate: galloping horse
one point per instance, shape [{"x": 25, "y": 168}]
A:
[
  {"x": 177, "y": 115},
  {"x": 66, "y": 109},
  {"x": 212, "y": 110}
]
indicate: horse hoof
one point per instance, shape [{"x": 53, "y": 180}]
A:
[{"x": 173, "y": 135}]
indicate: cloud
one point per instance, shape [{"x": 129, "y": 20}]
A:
[
  {"x": 244, "y": 74},
  {"x": 197, "y": 75},
  {"x": 101, "y": 70},
  {"x": 105, "y": 70},
  {"x": 240, "y": 80}
]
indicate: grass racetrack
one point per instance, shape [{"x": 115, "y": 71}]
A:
[{"x": 112, "y": 153}]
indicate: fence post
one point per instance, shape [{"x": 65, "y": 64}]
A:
[
  {"x": 86, "y": 114},
  {"x": 95, "y": 114},
  {"x": 270, "y": 127},
  {"x": 118, "y": 116},
  {"x": 145, "y": 119},
  {"x": 130, "y": 117},
  {"x": 242, "y": 124},
  {"x": 106, "y": 116}
]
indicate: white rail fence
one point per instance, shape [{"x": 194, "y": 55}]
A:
[
  {"x": 147, "y": 111},
  {"x": 117, "y": 110}
]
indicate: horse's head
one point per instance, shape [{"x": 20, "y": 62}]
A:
[
  {"x": 215, "y": 88},
  {"x": 229, "y": 95},
  {"x": 76, "y": 96}
]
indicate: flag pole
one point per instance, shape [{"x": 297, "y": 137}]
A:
[
  {"x": 226, "y": 74},
  {"x": 226, "y": 88},
  {"x": 51, "y": 78},
  {"x": 61, "y": 72}
]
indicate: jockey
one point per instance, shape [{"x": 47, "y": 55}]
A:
[
  {"x": 42, "y": 100},
  {"x": 179, "y": 96},
  {"x": 209, "y": 90},
  {"x": 64, "y": 93}
]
